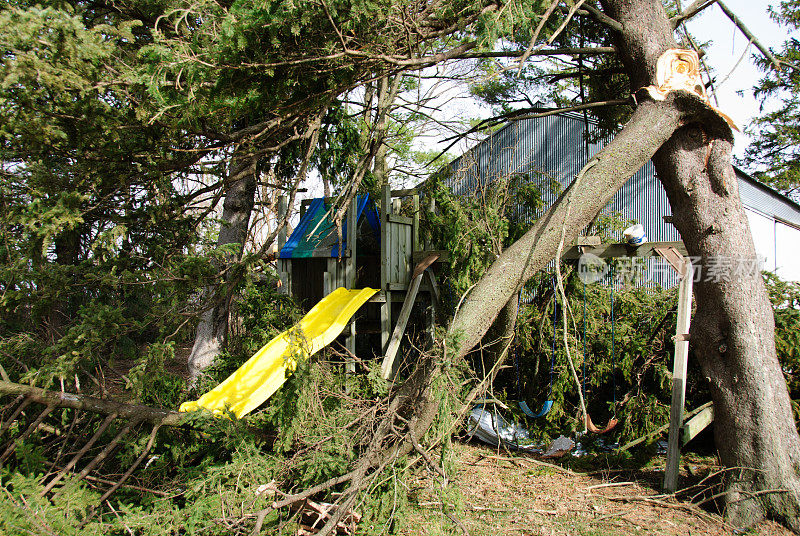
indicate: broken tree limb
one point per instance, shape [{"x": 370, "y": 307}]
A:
[
  {"x": 693, "y": 9},
  {"x": 651, "y": 124},
  {"x": 95, "y": 405}
]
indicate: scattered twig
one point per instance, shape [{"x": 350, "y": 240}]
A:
[
  {"x": 120, "y": 519},
  {"x": 75, "y": 459},
  {"x": 33, "y": 426},
  {"x": 427, "y": 458},
  {"x": 611, "y": 485},
  {"x": 104, "y": 453},
  {"x": 690, "y": 508},
  {"x": 134, "y": 465},
  {"x": 750, "y": 494},
  {"x": 455, "y": 520}
]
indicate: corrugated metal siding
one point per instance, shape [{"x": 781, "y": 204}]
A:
[{"x": 553, "y": 148}]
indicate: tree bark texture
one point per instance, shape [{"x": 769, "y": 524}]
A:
[
  {"x": 498, "y": 339},
  {"x": 732, "y": 334},
  {"x": 238, "y": 204}
]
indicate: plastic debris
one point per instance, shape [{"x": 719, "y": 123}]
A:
[
  {"x": 559, "y": 447},
  {"x": 487, "y": 425},
  {"x": 635, "y": 235}
]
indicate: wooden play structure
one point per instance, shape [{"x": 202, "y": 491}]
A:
[{"x": 380, "y": 247}]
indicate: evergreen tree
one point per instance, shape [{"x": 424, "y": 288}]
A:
[{"x": 774, "y": 153}]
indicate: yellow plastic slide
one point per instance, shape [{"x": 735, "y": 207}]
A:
[{"x": 264, "y": 373}]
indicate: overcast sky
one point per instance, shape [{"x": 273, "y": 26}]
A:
[{"x": 726, "y": 50}]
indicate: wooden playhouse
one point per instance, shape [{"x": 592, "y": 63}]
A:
[{"x": 380, "y": 248}]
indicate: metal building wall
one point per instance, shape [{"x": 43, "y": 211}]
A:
[
  {"x": 554, "y": 148},
  {"x": 766, "y": 200}
]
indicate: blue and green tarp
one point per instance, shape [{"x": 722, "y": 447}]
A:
[{"x": 316, "y": 233}]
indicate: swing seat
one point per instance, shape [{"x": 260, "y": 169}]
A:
[
  {"x": 590, "y": 426},
  {"x": 548, "y": 405}
]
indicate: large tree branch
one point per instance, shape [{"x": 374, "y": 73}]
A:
[
  {"x": 599, "y": 16},
  {"x": 695, "y": 8},
  {"x": 651, "y": 124}
]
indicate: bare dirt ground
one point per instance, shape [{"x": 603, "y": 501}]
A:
[{"x": 498, "y": 494}]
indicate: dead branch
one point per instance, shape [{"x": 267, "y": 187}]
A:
[
  {"x": 690, "y": 508},
  {"x": 89, "y": 403},
  {"x": 79, "y": 455},
  {"x": 104, "y": 453},
  {"x": 455, "y": 520},
  {"x": 695, "y": 8},
  {"x": 427, "y": 457},
  {"x": 611, "y": 485},
  {"x": 25, "y": 403},
  {"x": 575, "y": 51},
  {"x": 133, "y": 466},
  {"x": 33, "y": 426},
  {"x": 599, "y": 16},
  {"x": 747, "y": 33}
]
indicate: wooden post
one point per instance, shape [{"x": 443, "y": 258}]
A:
[
  {"x": 697, "y": 424},
  {"x": 284, "y": 266},
  {"x": 415, "y": 229},
  {"x": 386, "y": 306},
  {"x": 388, "y": 367},
  {"x": 352, "y": 226},
  {"x": 350, "y": 272},
  {"x": 432, "y": 210},
  {"x": 679, "y": 375}
]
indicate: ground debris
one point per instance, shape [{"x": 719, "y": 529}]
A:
[
  {"x": 516, "y": 495},
  {"x": 314, "y": 515}
]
